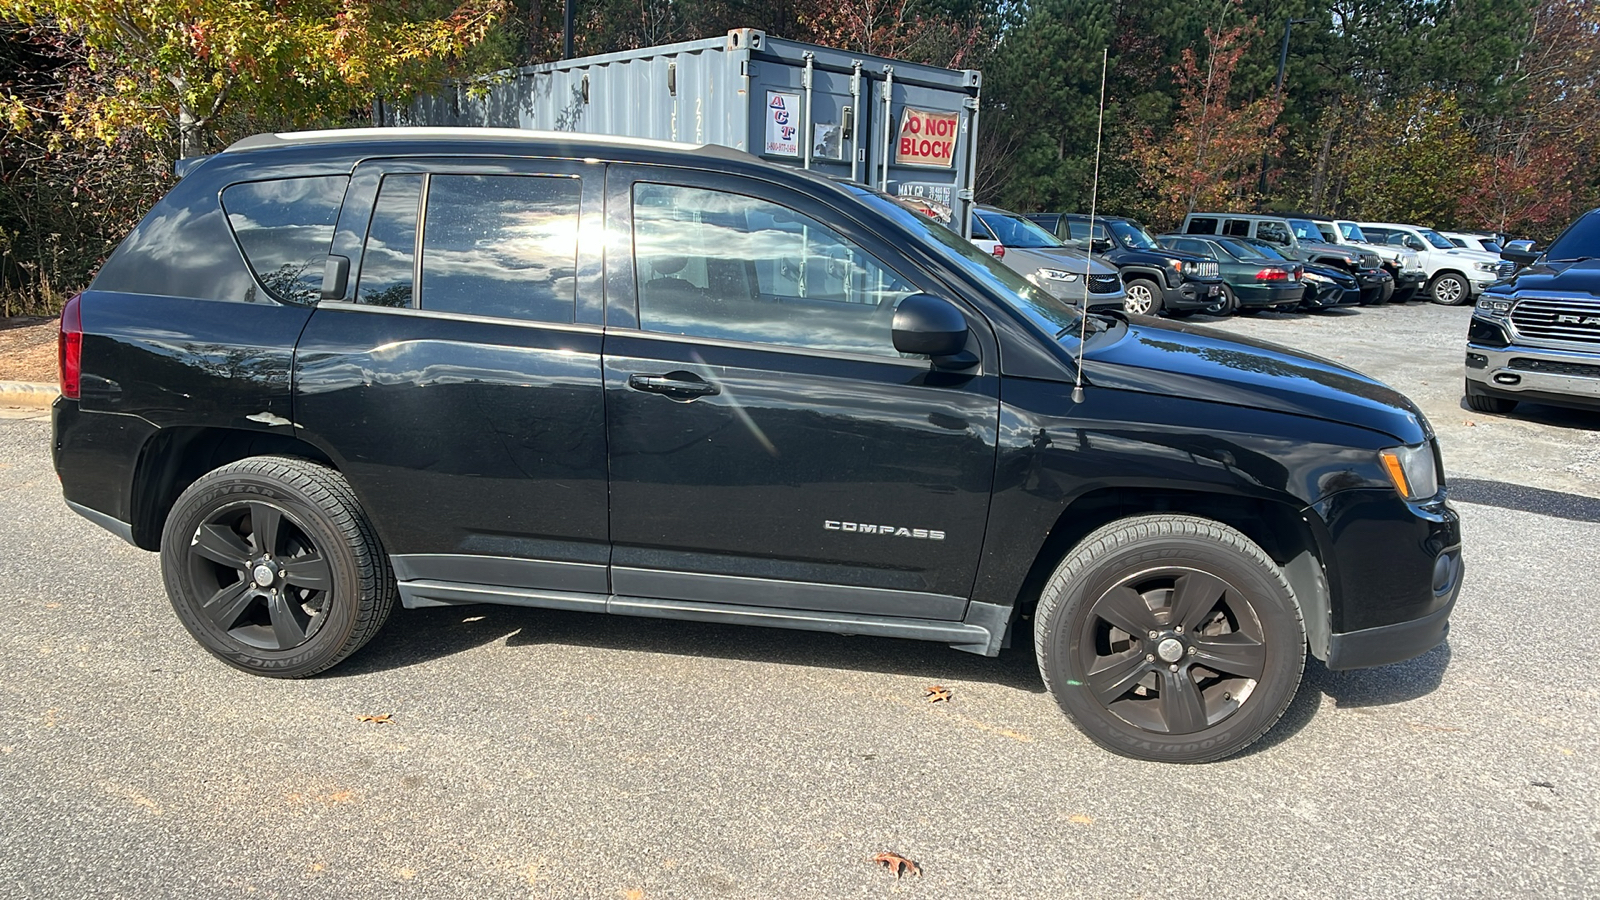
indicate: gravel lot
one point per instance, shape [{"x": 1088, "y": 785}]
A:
[{"x": 545, "y": 754}]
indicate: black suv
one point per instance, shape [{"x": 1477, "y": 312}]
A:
[
  {"x": 1157, "y": 279},
  {"x": 330, "y": 372}
]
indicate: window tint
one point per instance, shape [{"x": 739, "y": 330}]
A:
[
  {"x": 1237, "y": 227},
  {"x": 1353, "y": 232},
  {"x": 387, "y": 262},
  {"x": 285, "y": 228},
  {"x": 727, "y": 266},
  {"x": 501, "y": 245},
  {"x": 980, "y": 232},
  {"x": 1274, "y": 232},
  {"x": 1202, "y": 226}
]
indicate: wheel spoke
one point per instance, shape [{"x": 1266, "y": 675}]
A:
[
  {"x": 310, "y": 572},
  {"x": 1118, "y": 676},
  {"x": 1181, "y": 704},
  {"x": 220, "y": 544},
  {"x": 228, "y": 605},
  {"x": 1195, "y": 595},
  {"x": 289, "y": 621},
  {"x": 1235, "y": 654},
  {"x": 265, "y": 522},
  {"x": 1124, "y": 608}
]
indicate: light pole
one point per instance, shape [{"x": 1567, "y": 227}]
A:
[{"x": 1277, "y": 92}]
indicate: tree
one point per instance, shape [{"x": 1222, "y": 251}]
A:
[
  {"x": 1413, "y": 162},
  {"x": 182, "y": 62},
  {"x": 1211, "y": 156}
]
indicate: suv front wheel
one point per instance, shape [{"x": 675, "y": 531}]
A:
[
  {"x": 1144, "y": 297},
  {"x": 273, "y": 567},
  {"x": 1170, "y": 638}
]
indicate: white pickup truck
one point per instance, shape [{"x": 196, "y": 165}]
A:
[
  {"x": 1455, "y": 276},
  {"x": 1403, "y": 264}
]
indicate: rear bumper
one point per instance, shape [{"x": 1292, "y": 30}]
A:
[{"x": 1256, "y": 295}]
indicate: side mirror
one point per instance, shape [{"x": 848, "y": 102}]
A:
[
  {"x": 1100, "y": 245},
  {"x": 927, "y": 325},
  {"x": 1521, "y": 253}
]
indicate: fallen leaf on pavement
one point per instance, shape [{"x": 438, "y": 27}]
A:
[
  {"x": 1081, "y": 819},
  {"x": 897, "y": 864},
  {"x": 937, "y": 693},
  {"x": 377, "y": 720}
]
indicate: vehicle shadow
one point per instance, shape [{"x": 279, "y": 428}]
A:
[
  {"x": 1502, "y": 494},
  {"x": 1355, "y": 689},
  {"x": 1554, "y": 416},
  {"x": 413, "y": 637}
]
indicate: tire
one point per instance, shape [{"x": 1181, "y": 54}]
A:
[
  {"x": 273, "y": 567},
  {"x": 1144, "y": 297},
  {"x": 1488, "y": 403},
  {"x": 1226, "y": 306},
  {"x": 1449, "y": 289},
  {"x": 1115, "y": 682}
]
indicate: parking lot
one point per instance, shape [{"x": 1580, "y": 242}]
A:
[{"x": 533, "y": 753}]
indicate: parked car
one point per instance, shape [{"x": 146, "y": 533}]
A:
[
  {"x": 1158, "y": 279},
  {"x": 337, "y": 371},
  {"x": 1536, "y": 335},
  {"x": 1328, "y": 287},
  {"x": 1300, "y": 239},
  {"x": 1472, "y": 240},
  {"x": 1254, "y": 278},
  {"x": 1042, "y": 258},
  {"x": 1403, "y": 265},
  {"x": 1455, "y": 276}
]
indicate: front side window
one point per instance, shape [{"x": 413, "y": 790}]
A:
[
  {"x": 1272, "y": 232},
  {"x": 285, "y": 228},
  {"x": 726, "y": 266}
]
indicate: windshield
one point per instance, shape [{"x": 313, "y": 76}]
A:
[
  {"x": 1490, "y": 246},
  {"x": 1436, "y": 239},
  {"x": 1353, "y": 232},
  {"x": 1015, "y": 231},
  {"x": 1305, "y": 230},
  {"x": 1043, "y": 309},
  {"x": 1581, "y": 240},
  {"x": 1244, "y": 250},
  {"x": 1133, "y": 236}
]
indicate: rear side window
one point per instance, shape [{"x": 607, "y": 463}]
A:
[
  {"x": 285, "y": 228},
  {"x": 501, "y": 245},
  {"x": 1202, "y": 226},
  {"x": 1237, "y": 228}
]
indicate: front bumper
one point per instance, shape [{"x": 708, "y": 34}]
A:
[
  {"x": 1191, "y": 294},
  {"x": 1408, "y": 282},
  {"x": 1536, "y": 374},
  {"x": 1377, "y": 286}
]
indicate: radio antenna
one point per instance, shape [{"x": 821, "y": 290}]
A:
[{"x": 1088, "y": 254}]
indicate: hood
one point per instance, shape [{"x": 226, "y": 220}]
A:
[
  {"x": 1349, "y": 252},
  {"x": 1474, "y": 255},
  {"x": 1580, "y": 278},
  {"x": 1055, "y": 258},
  {"x": 1180, "y": 360}
]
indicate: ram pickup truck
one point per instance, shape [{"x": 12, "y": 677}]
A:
[
  {"x": 1536, "y": 336},
  {"x": 1455, "y": 276}
]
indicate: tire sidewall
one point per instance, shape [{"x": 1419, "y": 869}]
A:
[
  {"x": 1280, "y": 624},
  {"x": 211, "y": 493},
  {"x": 1461, "y": 284},
  {"x": 1154, "y": 307}
]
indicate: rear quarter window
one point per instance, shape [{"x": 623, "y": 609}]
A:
[
  {"x": 1202, "y": 226},
  {"x": 285, "y": 228}
]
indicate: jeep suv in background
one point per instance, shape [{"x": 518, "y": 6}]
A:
[
  {"x": 335, "y": 372},
  {"x": 1157, "y": 278},
  {"x": 1042, "y": 258},
  {"x": 1403, "y": 265},
  {"x": 1455, "y": 276},
  {"x": 1300, "y": 239},
  {"x": 1536, "y": 335}
]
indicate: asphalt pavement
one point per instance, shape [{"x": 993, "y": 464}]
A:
[{"x": 533, "y": 753}]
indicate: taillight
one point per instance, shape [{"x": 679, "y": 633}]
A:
[
  {"x": 69, "y": 349},
  {"x": 1273, "y": 274},
  {"x": 999, "y": 251}
]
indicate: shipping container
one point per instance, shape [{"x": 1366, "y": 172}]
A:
[{"x": 901, "y": 127}]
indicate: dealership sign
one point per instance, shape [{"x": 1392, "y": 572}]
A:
[{"x": 927, "y": 138}]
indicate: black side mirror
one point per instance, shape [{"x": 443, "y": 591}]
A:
[
  {"x": 1521, "y": 253},
  {"x": 927, "y": 325},
  {"x": 1101, "y": 245}
]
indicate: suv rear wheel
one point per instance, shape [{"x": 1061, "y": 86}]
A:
[
  {"x": 1170, "y": 638},
  {"x": 1144, "y": 297},
  {"x": 273, "y": 567}
]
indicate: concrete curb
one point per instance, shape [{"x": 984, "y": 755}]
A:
[{"x": 24, "y": 393}]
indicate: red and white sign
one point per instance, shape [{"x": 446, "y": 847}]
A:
[{"x": 927, "y": 138}]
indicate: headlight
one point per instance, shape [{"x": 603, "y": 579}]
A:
[
  {"x": 1313, "y": 276},
  {"x": 1493, "y": 307},
  {"x": 1057, "y": 275},
  {"x": 1491, "y": 268},
  {"x": 1412, "y": 470}
]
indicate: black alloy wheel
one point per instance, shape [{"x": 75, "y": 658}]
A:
[
  {"x": 1170, "y": 638},
  {"x": 271, "y": 565}
]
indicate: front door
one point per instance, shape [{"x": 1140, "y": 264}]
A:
[{"x": 767, "y": 444}]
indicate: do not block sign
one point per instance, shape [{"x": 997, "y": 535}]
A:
[{"x": 927, "y": 138}]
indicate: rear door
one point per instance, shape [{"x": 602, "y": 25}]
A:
[
  {"x": 768, "y": 446},
  {"x": 457, "y": 380}
]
